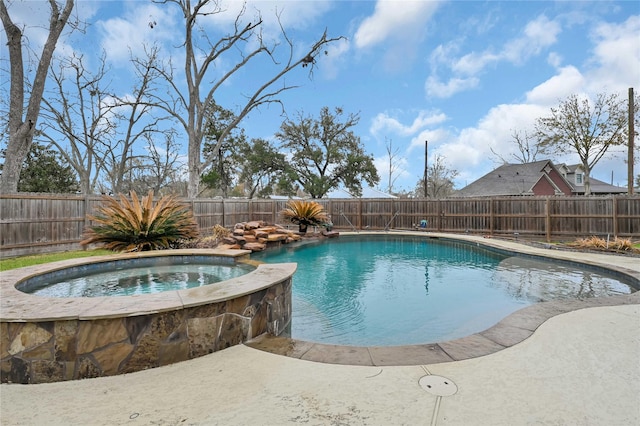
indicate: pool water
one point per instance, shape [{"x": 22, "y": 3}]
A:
[
  {"x": 398, "y": 290},
  {"x": 141, "y": 280}
]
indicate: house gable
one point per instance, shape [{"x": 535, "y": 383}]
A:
[
  {"x": 545, "y": 186},
  {"x": 560, "y": 183}
]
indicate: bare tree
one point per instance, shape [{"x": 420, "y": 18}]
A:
[
  {"x": 528, "y": 148},
  {"x": 578, "y": 127},
  {"x": 138, "y": 122},
  {"x": 159, "y": 170},
  {"x": 394, "y": 165},
  {"x": 440, "y": 183},
  {"x": 96, "y": 131},
  {"x": 163, "y": 167},
  {"x": 78, "y": 118},
  {"x": 22, "y": 122},
  {"x": 189, "y": 105}
]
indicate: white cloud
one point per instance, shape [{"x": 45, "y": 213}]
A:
[
  {"x": 434, "y": 136},
  {"x": 383, "y": 122},
  {"x": 537, "y": 35},
  {"x": 400, "y": 27},
  {"x": 392, "y": 19},
  {"x": 473, "y": 63},
  {"x": 336, "y": 55},
  {"x": 436, "y": 88},
  {"x": 142, "y": 25},
  {"x": 292, "y": 15},
  {"x": 568, "y": 80},
  {"x": 615, "y": 65},
  {"x": 443, "y": 54},
  {"x": 32, "y": 17},
  {"x": 554, "y": 59}
]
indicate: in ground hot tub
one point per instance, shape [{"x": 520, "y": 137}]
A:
[{"x": 47, "y": 339}]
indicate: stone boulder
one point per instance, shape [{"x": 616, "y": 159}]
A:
[
  {"x": 276, "y": 237},
  {"x": 254, "y": 246},
  {"x": 330, "y": 234}
]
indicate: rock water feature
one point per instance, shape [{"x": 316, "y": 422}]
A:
[{"x": 257, "y": 236}]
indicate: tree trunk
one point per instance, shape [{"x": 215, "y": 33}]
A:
[
  {"x": 587, "y": 180},
  {"x": 17, "y": 150},
  {"x": 21, "y": 130},
  {"x": 194, "y": 166}
]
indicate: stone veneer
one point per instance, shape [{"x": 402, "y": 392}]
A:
[{"x": 53, "y": 339}]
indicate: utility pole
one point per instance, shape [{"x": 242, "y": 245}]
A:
[
  {"x": 426, "y": 169},
  {"x": 631, "y": 146}
]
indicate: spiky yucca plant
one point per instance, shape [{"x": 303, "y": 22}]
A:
[
  {"x": 305, "y": 213},
  {"x": 139, "y": 225}
]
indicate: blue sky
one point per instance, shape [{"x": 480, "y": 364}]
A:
[{"x": 461, "y": 74}]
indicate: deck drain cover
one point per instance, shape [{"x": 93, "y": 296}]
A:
[{"x": 438, "y": 385}]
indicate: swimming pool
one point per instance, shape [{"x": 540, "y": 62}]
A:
[{"x": 385, "y": 290}]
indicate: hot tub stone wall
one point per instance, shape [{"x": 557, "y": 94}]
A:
[{"x": 40, "y": 352}]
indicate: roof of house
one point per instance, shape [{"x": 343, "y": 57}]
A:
[
  {"x": 520, "y": 179},
  {"x": 508, "y": 179},
  {"x": 597, "y": 186},
  {"x": 600, "y": 187}
]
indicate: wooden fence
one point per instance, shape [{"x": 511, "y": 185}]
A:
[{"x": 39, "y": 223}]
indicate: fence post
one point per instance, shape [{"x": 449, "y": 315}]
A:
[
  {"x": 224, "y": 215},
  {"x": 330, "y": 210},
  {"x": 273, "y": 211},
  {"x": 614, "y": 212},
  {"x": 86, "y": 218},
  {"x": 547, "y": 218},
  {"x": 491, "y": 215}
]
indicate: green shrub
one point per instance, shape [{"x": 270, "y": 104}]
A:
[
  {"x": 139, "y": 225},
  {"x": 305, "y": 213}
]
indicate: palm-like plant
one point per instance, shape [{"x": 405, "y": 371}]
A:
[
  {"x": 305, "y": 213},
  {"x": 139, "y": 225}
]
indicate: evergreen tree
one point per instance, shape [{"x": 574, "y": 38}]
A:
[{"x": 44, "y": 170}]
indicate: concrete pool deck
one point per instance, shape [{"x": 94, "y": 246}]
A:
[{"x": 577, "y": 367}]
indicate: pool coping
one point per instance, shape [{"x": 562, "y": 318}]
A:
[
  {"x": 16, "y": 306},
  {"x": 508, "y": 332}
]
